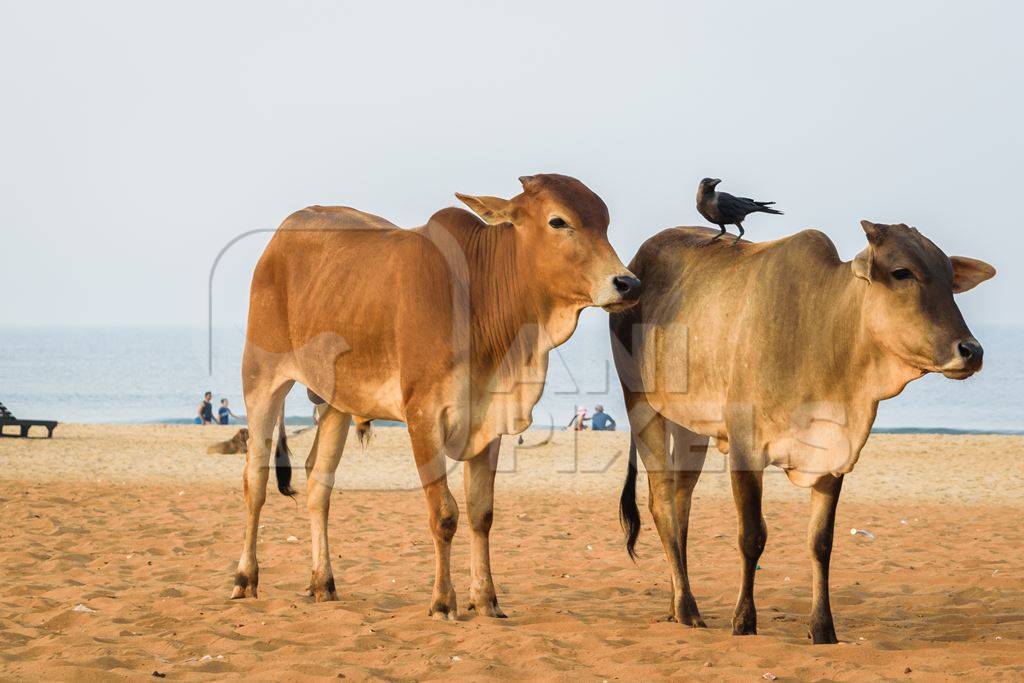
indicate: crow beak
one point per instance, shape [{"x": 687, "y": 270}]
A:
[{"x": 715, "y": 182}]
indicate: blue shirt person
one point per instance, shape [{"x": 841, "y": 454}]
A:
[
  {"x": 601, "y": 421},
  {"x": 223, "y": 413}
]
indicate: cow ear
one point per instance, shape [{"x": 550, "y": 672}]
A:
[
  {"x": 862, "y": 264},
  {"x": 493, "y": 210},
  {"x": 968, "y": 273}
]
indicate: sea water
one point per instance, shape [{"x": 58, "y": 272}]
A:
[{"x": 158, "y": 374}]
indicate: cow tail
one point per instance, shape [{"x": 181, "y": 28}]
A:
[
  {"x": 283, "y": 460},
  {"x": 629, "y": 514},
  {"x": 364, "y": 430}
]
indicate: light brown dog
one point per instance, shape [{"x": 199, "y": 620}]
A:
[{"x": 236, "y": 444}]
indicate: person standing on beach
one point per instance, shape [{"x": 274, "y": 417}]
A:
[
  {"x": 204, "y": 414},
  {"x": 224, "y": 412},
  {"x": 602, "y": 421}
]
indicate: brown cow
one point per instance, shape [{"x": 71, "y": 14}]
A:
[
  {"x": 781, "y": 352},
  {"x": 446, "y": 327}
]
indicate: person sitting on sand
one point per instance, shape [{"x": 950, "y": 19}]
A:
[
  {"x": 223, "y": 413},
  {"x": 204, "y": 414},
  {"x": 602, "y": 421},
  {"x": 578, "y": 421}
]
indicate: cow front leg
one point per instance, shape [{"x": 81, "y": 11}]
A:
[
  {"x": 689, "y": 451},
  {"x": 652, "y": 444},
  {"x": 328, "y": 448},
  {"x": 753, "y": 533},
  {"x": 442, "y": 516},
  {"x": 824, "y": 499},
  {"x": 478, "y": 477}
]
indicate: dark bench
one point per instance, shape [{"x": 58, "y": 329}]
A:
[{"x": 8, "y": 420}]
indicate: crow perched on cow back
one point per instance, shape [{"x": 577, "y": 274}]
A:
[{"x": 722, "y": 209}]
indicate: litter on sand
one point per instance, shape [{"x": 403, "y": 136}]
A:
[
  {"x": 292, "y": 539},
  {"x": 768, "y": 676},
  {"x": 82, "y": 608},
  {"x": 862, "y": 532}
]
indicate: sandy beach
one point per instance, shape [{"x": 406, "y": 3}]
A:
[{"x": 119, "y": 544}]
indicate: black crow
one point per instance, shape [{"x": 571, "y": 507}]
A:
[{"x": 722, "y": 209}]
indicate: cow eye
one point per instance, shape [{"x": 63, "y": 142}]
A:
[
  {"x": 902, "y": 274},
  {"x": 556, "y": 222}
]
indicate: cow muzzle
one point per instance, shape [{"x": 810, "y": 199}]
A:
[
  {"x": 627, "y": 289},
  {"x": 967, "y": 359}
]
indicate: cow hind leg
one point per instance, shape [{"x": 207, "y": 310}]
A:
[
  {"x": 478, "y": 477},
  {"x": 753, "y": 534},
  {"x": 442, "y": 514},
  {"x": 264, "y": 404},
  {"x": 824, "y": 499},
  {"x": 329, "y": 446}
]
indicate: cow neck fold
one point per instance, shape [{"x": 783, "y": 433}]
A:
[
  {"x": 872, "y": 372},
  {"x": 506, "y": 315}
]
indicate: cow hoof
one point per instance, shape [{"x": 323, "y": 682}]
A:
[
  {"x": 238, "y": 592},
  {"x": 443, "y": 615},
  {"x": 323, "y": 591},
  {"x": 744, "y": 626},
  {"x": 488, "y": 609},
  {"x": 823, "y": 635},
  {"x": 744, "y": 620},
  {"x": 245, "y": 587},
  {"x": 324, "y": 595},
  {"x": 693, "y": 620},
  {"x": 685, "y": 612},
  {"x": 444, "y": 609}
]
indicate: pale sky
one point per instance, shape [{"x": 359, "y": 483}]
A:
[{"x": 137, "y": 139}]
